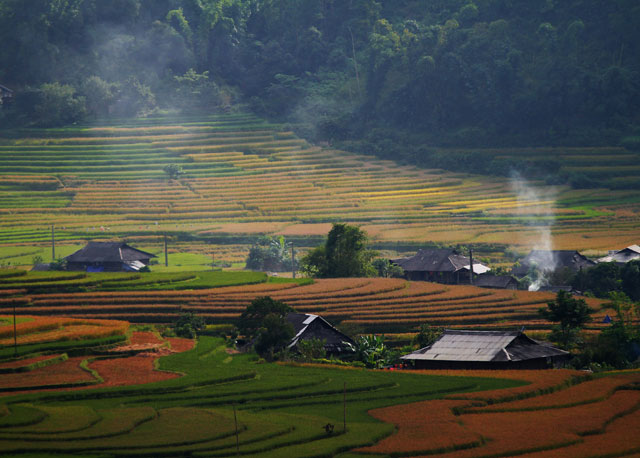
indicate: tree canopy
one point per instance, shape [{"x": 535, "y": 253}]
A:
[
  {"x": 271, "y": 254},
  {"x": 264, "y": 324},
  {"x": 344, "y": 254},
  {"x": 570, "y": 313},
  {"x": 393, "y": 78}
]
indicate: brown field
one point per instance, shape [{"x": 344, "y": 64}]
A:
[
  {"x": 371, "y": 304},
  {"x": 561, "y": 413}
]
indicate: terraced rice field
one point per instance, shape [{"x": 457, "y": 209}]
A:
[
  {"x": 122, "y": 365},
  {"x": 244, "y": 176},
  {"x": 281, "y": 410},
  {"x": 47, "y": 329},
  {"x": 373, "y": 305},
  {"x": 570, "y": 418}
]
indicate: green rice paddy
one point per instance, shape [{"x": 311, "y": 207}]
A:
[{"x": 281, "y": 410}]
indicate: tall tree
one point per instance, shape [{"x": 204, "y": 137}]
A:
[
  {"x": 570, "y": 313},
  {"x": 345, "y": 254}
]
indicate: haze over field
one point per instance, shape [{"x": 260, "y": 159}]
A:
[{"x": 543, "y": 91}]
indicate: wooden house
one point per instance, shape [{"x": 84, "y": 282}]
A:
[
  {"x": 496, "y": 281},
  {"x": 440, "y": 265},
  {"x": 108, "y": 257},
  {"x": 6, "y": 95},
  {"x": 621, "y": 257},
  {"x": 458, "y": 349},
  {"x": 307, "y": 326},
  {"x": 552, "y": 260}
]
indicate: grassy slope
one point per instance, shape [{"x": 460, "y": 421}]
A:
[{"x": 282, "y": 407}]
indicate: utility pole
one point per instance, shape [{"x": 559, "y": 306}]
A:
[
  {"x": 53, "y": 244},
  {"x": 344, "y": 408},
  {"x": 15, "y": 333},
  {"x": 471, "y": 266},
  {"x": 235, "y": 419},
  {"x": 166, "y": 252},
  {"x": 293, "y": 262}
]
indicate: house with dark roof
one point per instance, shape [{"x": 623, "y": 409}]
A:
[
  {"x": 108, "y": 257},
  {"x": 552, "y": 260},
  {"x": 307, "y": 326},
  {"x": 458, "y": 349},
  {"x": 443, "y": 265},
  {"x": 6, "y": 95},
  {"x": 621, "y": 257},
  {"x": 496, "y": 281}
]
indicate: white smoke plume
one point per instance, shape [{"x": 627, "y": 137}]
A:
[{"x": 543, "y": 200}]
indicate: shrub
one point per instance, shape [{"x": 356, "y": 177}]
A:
[
  {"x": 312, "y": 349},
  {"x": 188, "y": 325}
]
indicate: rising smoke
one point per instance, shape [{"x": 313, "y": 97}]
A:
[{"x": 540, "y": 222}]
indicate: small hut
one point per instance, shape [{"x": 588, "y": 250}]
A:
[
  {"x": 496, "y": 281},
  {"x": 621, "y": 257},
  {"x": 6, "y": 95},
  {"x": 307, "y": 326},
  {"x": 440, "y": 265},
  {"x": 552, "y": 260},
  {"x": 108, "y": 257},
  {"x": 458, "y": 349}
]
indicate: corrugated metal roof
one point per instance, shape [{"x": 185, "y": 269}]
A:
[{"x": 483, "y": 346}]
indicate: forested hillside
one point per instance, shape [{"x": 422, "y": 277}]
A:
[{"x": 393, "y": 78}]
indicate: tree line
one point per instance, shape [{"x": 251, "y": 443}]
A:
[{"x": 378, "y": 76}]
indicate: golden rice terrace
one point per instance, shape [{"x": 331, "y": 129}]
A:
[{"x": 242, "y": 175}]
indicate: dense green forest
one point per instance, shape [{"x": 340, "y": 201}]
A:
[{"x": 392, "y": 78}]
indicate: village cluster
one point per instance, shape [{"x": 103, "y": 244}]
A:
[{"x": 454, "y": 349}]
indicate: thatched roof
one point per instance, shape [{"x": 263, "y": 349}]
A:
[
  {"x": 439, "y": 260},
  {"x": 484, "y": 346},
  {"x": 100, "y": 252}
]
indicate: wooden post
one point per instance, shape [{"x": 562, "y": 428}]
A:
[
  {"x": 53, "y": 244},
  {"x": 235, "y": 419},
  {"x": 293, "y": 263},
  {"x": 344, "y": 408},
  {"x": 470, "y": 266},
  {"x": 166, "y": 255}
]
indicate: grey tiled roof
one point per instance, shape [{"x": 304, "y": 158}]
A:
[
  {"x": 307, "y": 326},
  {"x": 485, "y": 346},
  {"x": 437, "y": 260},
  {"x": 108, "y": 252},
  {"x": 559, "y": 258}
]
